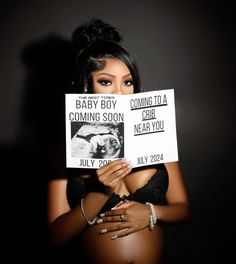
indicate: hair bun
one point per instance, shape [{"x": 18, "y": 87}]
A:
[{"x": 93, "y": 31}]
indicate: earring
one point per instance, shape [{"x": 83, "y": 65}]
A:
[{"x": 85, "y": 89}]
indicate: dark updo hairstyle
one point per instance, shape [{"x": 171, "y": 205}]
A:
[{"x": 94, "y": 42}]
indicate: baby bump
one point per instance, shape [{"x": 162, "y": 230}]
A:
[{"x": 144, "y": 246}]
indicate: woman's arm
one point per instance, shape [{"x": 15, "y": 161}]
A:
[
  {"x": 136, "y": 215},
  {"x": 65, "y": 223},
  {"x": 177, "y": 208}
]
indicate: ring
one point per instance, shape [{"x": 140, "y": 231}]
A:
[{"x": 122, "y": 217}]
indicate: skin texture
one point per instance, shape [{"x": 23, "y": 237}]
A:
[{"x": 112, "y": 240}]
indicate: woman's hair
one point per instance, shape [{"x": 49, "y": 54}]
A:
[{"x": 94, "y": 42}]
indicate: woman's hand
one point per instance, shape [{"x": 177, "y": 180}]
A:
[
  {"x": 132, "y": 216},
  {"x": 113, "y": 173}
]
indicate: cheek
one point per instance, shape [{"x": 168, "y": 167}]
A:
[
  {"x": 128, "y": 90},
  {"x": 97, "y": 88}
]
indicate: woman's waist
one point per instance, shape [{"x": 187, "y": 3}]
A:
[
  {"x": 101, "y": 248},
  {"x": 93, "y": 235}
]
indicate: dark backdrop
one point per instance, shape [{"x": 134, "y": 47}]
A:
[{"x": 185, "y": 45}]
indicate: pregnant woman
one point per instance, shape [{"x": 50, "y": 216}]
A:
[{"x": 113, "y": 214}]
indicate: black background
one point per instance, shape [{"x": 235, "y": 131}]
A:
[{"x": 185, "y": 45}]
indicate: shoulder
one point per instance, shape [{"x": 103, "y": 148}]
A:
[{"x": 172, "y": 166}]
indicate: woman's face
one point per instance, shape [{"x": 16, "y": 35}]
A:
[{"x": 114, "y": 78}]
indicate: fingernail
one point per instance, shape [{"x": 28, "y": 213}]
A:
[
  {"x": 102, "y": 215},
  {"x": 99, "y": 221},
  {"x": 103, "y": 231},
  {"x": 114, "y": 237},
  {"x": 129, "y": 170},
  {"x": 113, "y": 208},
  {"x": 130, "y": 164}
]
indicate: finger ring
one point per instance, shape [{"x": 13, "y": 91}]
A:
[{"x": 122, "y": 217}]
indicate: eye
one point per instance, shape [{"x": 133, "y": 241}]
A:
[
  {"x": 104, "y": 82},
  {"x": 128, "y": 83}
]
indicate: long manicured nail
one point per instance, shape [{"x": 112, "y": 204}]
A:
[
  {"x": 114, "y": 237},
  {"x": 102, "y": 215},
  {"x": 103, "y": 231},
  {"x": 99, "y": 221},
  {"x": 130, "y": 164}
]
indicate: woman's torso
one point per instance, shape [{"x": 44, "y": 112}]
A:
[
  {"x": 144, "y": 246},
  {"x": 141, "y": 247}
]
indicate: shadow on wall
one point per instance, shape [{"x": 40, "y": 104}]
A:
[
  {"x": 39, "y": 152},
  {"x": 49, "y": 64}
]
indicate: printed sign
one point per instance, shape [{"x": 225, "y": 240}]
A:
[{"x": 103, "y": 127}]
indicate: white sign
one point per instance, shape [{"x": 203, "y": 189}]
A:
[{"x": 103, "y": 127}]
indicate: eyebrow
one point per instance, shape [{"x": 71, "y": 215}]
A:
[{"x": 111, "y": 75}]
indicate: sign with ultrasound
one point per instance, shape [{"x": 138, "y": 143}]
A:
[{"x": 103, "y": 127}]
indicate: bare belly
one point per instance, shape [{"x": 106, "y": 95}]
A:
[{"x": 141, "y": 247}]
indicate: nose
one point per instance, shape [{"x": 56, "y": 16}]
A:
[{"x": 117, "y": 89}]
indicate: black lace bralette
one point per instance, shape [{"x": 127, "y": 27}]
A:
[{"x": 153, "y": 191}]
